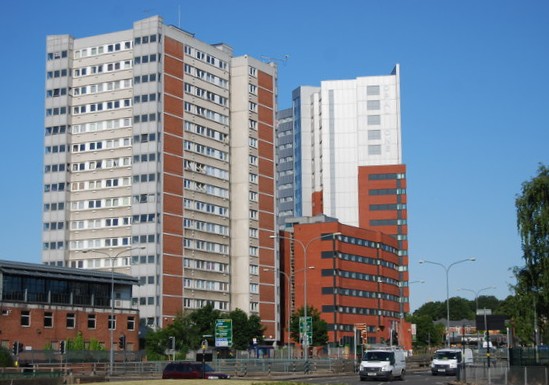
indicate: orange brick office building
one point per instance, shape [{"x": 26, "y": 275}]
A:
[{"x": 353, "y": 279}]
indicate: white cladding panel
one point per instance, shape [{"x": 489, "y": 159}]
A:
[{"x": 360, "y": 126}]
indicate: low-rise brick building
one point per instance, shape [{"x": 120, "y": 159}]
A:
[{"x": 44, "y": 305}]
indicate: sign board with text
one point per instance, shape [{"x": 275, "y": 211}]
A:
[
  {"x": 308, "y": 328},
  {"x": 224, "y": 333}
]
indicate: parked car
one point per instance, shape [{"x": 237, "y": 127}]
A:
[{"x": 186, "y": 370}]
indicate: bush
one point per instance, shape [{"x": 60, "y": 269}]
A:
[{"x": 5, "y": 358}]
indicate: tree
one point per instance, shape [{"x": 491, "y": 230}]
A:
[
  {"x": 428, "y": 333},
  {"x": 76, "y": 343},
  {"x": 320, "y": 327},
  {"x": 460, "y": 308},
  {"x": 189, "y": 328},
  {"x": 241, "y": 339},
  {"x": 203, "y": 321},
  {"x": 245, "y": 329},
  {"x": 533, "y": 227},
  {"x": 6, "y": 359},
  {"x": 183, "y": 329},
  {"x": 490, "y": 302},
  {"x": 433, "y": 310},
  {"x": 521, "y": 314},
  {"x": 255, "y": 328}
]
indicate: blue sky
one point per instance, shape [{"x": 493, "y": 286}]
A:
[{"x": 474, "y": 99}]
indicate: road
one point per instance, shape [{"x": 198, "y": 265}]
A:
[{"x": 417, "y": 378}]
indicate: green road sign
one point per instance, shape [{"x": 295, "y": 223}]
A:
[
  {"x": 224, "y": 333},
  {"x": 308, "y": 327}
]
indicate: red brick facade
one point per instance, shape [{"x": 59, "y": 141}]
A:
[
  {"x": 48, "y": 325},
  {"x": 365, "y": 289}
]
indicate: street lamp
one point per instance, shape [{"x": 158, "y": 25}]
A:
[
  {"x": 112, "y": 324},
  {"x": 447, "y": 270},
  {"x": 476, "y": 293},
  {"x": 305, "y": 247},
  {"x": 289, "y": 311}
]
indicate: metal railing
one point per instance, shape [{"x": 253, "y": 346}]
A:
[{"x": 502, "y": 375}]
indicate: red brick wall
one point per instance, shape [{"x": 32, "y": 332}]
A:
[
  {"x": 172, "y": 219},
  {"x": 308, "y": 235},
  {"x": 266, "y": 199},
  {"x": 38, "y": 337}
]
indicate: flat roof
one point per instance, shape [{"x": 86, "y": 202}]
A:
[{"x": 68, "y": 273}]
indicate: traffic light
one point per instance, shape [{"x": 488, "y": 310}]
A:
[
  {"x": 62, "y": 347},
  {"x": 17, "y": 348},
  {"x": 122, "y": 342},
  {"x": 171, "y": 342},
  {"x": 395, "y": 337}
]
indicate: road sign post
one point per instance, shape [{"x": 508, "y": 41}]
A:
[
  {"x": 223, "y": 333},
  {"x": 306, "y": 331}
]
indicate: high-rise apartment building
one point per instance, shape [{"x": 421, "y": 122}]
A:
[
  {"x": 159, "y": 163},
  {"x": 346, "y": 162},
  {"x": 346, "y": 157},
  {"x": 285, "y": 165}
]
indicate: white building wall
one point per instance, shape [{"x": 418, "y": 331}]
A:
[
  {"x": 240, "y": 185},
  {"x": 359, "y": 126},
  {"x": 305, "y": 131}
]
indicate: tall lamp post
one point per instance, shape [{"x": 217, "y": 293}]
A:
[
  {"x": 112, "y": 258},
  {"x": 289, "y": 306},
  {"x": 447, "y": 270},
  {"x": 289, "y": 302},
  {"x": 476, "y": 293},
  {"x": 305, "y": 247}
]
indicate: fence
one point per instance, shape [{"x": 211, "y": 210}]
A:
[
  {"x": 514, "y": 375},
  {"x": 529, "y": 356},
  {"x": 268, "y": 367},
  {"x": 132, "y": 366},
  {"x": 32, "y": 357},
  {"x": 250, "y": 367}
]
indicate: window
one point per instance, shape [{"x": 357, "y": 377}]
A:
[
  {"x": 374, "y": 149},
  {"x": 372, "y": 90},
  {"x": 374, "y": 120},
  {"x": 91, "y": 321},
  {"x": 48, "y": 319},
  {"x": 374, "y": 134},
  {"x": 112, "y": 322},
  {"x": 131, "y": 323},
  {"x": 71, "y": 320},
  {"x": 254, "y": 306},
  {"x": 373, "y": 105},
  {"x": 25, "y": 318}
]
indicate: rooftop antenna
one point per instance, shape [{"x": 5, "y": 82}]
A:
[{"x": 268, "y": 59}]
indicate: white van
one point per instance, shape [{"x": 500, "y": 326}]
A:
[
  {"x": 446, "y": 361},
  {"x": 383, "y": 362}
]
